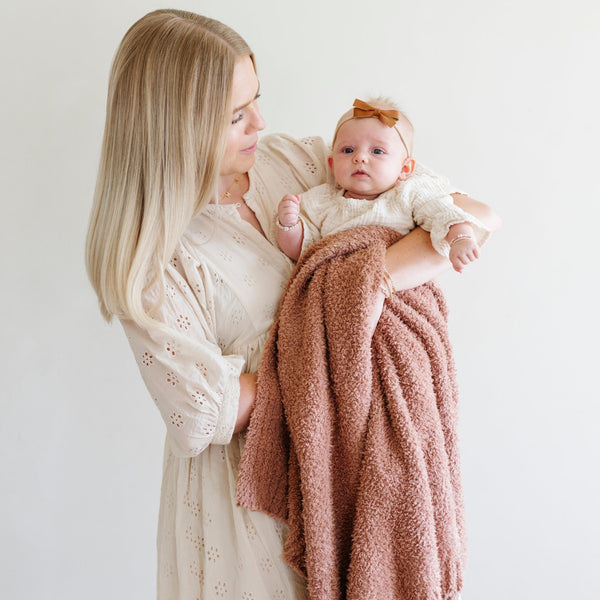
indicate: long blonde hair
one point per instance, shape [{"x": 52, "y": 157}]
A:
[{"x": 164, "y": 139}]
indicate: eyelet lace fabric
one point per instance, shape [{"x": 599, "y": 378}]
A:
[{"x": 222, "y": 289}]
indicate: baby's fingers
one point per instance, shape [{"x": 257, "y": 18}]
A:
[
  {"x": 457, "y": 264},
  {"x": 293, "y": 198},
  {"x": 471, "y": 253}
]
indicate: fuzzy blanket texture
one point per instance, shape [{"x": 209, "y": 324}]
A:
[{"x": 353, "y": 440}]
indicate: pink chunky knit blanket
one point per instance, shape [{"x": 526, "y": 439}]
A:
[{"x": 353, "y": 442}]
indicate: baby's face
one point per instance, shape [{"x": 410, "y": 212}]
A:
[{"x": 367, "y": 158}]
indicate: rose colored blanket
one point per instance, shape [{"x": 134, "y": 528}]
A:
[{"x": 353, "y": 440}]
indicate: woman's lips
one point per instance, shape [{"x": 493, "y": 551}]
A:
[{"x": 250, "y": 149}]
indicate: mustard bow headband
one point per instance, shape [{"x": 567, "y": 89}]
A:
[
  {"x": 362, "y": 110},
  {"x": 387, "y": 117}
]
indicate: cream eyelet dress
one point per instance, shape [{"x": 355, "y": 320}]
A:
[{"x": 223, "y": 286}]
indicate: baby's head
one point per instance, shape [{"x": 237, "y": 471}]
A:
[{"x": 371, "y": 149}]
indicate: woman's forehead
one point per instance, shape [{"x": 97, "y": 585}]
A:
[{"x": 244, "y": 87}]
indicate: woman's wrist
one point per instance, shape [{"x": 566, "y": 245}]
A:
[{"x": 387, "y": 287}]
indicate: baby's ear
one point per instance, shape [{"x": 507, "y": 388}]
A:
[
  {"x": 407, "y": 169},
  {"x": 330, "y": 162}
]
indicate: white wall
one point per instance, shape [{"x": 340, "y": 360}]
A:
[{"x": 504, "y": 97}]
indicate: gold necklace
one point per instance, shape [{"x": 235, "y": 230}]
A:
[{"x": 227, "y": 194}]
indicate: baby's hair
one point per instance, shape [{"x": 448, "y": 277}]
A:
[
  {"x": 404, "y": 123},
  {"x": 384, "y": 102}
]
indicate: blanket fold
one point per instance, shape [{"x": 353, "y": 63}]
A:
[{"x": 353, "y": 441}]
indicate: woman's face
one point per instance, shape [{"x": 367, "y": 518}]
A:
[{"x": 246, "y": 120}]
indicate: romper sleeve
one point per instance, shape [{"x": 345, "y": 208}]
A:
[
  {"x": 315, "y": 205},
  {"x": 434, "y": 210},
  {"x": 194, "y": 385}
]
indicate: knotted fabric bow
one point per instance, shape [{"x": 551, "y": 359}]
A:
[{"x": 362, "y": 109}]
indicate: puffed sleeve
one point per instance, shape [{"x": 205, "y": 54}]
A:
[
  {"x": 194, "y": 385},
  {"x": 299, "y": 163},
  {"x": 285, "y": 165},
  {"x": 434, "y": 210}
]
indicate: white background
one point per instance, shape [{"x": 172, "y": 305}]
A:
[{"x": 505, "y": 100}]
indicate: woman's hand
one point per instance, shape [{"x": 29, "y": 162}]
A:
[
  {"x": 247, "y": 398},
  {"x": 376, "y": 312}
]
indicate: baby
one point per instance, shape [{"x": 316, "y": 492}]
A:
[{"x": 379, "y": 183}]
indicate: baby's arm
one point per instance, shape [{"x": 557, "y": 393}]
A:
[
  {"x": 463, "y": 247},
  {"x": 290, "y": 233}
]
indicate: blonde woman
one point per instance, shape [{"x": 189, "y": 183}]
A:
[{"x": 181, "y": 248}]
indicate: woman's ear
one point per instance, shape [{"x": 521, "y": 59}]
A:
[{"x": 407, "y": 169}]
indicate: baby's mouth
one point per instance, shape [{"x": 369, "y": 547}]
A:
[{"x": 359, "y": 173}]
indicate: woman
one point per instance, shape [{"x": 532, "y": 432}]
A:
[{"x": 181, "y": 249}]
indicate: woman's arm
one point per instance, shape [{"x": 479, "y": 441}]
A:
[
  {"x": 413, "y": 261},
  {"x": 478, "y": 209}
]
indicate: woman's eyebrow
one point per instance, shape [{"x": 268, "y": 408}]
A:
[{"x": 249, "y": 102}]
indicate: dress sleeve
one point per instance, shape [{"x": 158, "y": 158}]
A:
[
  {"x": 301, "y": 163},
  {"x": 195, "y": 386},
  {"x": 285, "y": 165},
  {"x": 434, "y": 210}
]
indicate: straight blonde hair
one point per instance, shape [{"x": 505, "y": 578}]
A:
[{"x": 164, "y": 140}]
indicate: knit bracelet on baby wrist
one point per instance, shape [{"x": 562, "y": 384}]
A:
[
  {"x": 461, "y": 236},
  {"x": 287, "y": 227}
]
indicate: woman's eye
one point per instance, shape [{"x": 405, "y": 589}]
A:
[{"x": 237, "y": 118}]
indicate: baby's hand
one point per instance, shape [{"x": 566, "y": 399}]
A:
[
  {"x": 288, "y": 210},
  {"x": 463, "y": 250}
]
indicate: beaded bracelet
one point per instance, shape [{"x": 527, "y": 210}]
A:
[{"x": 287, "y": 227}]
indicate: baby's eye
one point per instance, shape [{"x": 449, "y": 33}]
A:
[
  {"x": 378, "y": 151},
  {"x": 347, "y": 150}
]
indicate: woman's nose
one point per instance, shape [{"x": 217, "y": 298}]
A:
[{"x": 258, "y": 122}]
